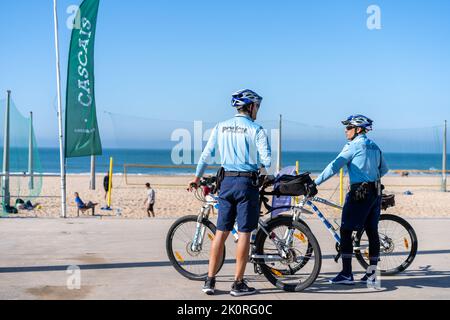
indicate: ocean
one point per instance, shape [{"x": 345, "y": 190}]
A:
[{"x": 313, "y": 162}]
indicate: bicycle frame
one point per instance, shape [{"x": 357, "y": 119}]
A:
[
  {"x": 322, "y": 218},
  {"x": 211, "y": 202},
  {"x": 328, "y": 225}
]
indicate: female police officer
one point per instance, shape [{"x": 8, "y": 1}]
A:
[
  {"x": 366, "y": 166},
  {"x": 239, "y": 141}
]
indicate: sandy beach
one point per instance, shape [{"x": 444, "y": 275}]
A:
[{"x": 172, "y": 199}]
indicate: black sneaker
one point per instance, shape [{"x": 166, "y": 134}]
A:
[
  {"x": 210, "y": 286},
  {"x": 240, "y": 288},
  {"x": 341, "y": 279}
]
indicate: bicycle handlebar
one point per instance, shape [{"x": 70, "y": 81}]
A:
[
  {"x": 208, "y": 181},
  {"x": 265, "y": 181}
]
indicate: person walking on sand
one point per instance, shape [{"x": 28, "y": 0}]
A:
[
  {"x": 150, "y": 200},
  {"x": 239, "y": 142},
  {"x": 106, "y": 184}
]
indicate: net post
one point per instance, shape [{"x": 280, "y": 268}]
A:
[
  {"x": 341, "y": 186},
  {"x": 297, "y": 171},
  {"x": 444, "y": 160},
  {"x": 6, "y": 140},
  {"x": 92, "y": 180},
  {"x": 30, "y": 154},
  {"x": 111, "y": 163}
]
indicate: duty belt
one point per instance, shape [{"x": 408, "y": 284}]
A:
[
  {"x": 373, "y": 186},
  {"x": 241, "y": 174}
]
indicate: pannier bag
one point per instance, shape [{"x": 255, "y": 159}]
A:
[
  {"x": 287, "y": 185},
  {"x": 387, "y": 200}
]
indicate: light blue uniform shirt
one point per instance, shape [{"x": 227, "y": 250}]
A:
[
  {"x": 238, "y": 141},
  {"x": 364, "y": 160}
]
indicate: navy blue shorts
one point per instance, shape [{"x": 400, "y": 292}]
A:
[
  {"x": 358, "y": 215},
  {"x": 238, "y": 201}
]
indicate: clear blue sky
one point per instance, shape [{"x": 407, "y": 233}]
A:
[{"x": 311, "y": 60}]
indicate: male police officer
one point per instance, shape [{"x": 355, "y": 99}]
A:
[
  {"x": 366, "y": 166},
  {"x": 239, "y": 141}
]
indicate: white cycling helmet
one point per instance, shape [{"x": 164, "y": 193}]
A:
[
  {"x": 245, "y": 97},
  {"x": 359, "y": 121}
]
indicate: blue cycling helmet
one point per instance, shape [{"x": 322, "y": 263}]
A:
[
  {"x": 360, "y": 121},
  {"x": 245, "y": 97}
]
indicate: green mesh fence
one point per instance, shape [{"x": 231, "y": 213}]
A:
[{"x": 20, "y": 187}]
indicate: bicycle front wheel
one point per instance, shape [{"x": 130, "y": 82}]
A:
[
  {"x": 398, "y": 245},
  {"x": 290, "y": 273},
  {"x": 189, "y": 262}
]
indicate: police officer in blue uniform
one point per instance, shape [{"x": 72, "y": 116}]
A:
[
  {"x": 243, "y": 146},
  {"x": 366, "y": 166}
]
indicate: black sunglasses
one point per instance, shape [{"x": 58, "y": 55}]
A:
[{"x": 348, "y": 128}]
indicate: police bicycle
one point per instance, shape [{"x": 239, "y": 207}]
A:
[
  {"x": 398, "y": 240},
  {"x": 283, "y": 248}
]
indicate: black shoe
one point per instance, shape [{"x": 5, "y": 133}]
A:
[
  {"x": 341, "y": 279},
  {"x": 240, "y": 288},
  {"x": 210, "y": 286}
]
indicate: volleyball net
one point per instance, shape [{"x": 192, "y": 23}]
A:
[
  {"x": 21, "y": 176},
  {"x": 417, "y": 150}
]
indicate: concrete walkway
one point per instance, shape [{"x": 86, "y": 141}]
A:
[{"x": 126, "y": 259}]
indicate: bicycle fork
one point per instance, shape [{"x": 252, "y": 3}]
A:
[{"x": 199, "y": 235}]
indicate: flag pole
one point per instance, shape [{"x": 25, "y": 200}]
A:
[{"x": 60, "y": 123}]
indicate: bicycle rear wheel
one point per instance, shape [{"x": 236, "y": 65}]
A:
[
  {"x": 398, "y": 245},
  {"x": 292, "y": 274},
  {"x": 190, "y": 264}
]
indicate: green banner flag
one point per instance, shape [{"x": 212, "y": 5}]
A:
[{"x": 82, "y": 134}]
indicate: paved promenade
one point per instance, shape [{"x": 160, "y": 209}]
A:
[{"x": 126, "y": 259}]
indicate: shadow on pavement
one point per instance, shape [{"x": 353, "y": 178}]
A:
[{"x": 422, "y": 278}]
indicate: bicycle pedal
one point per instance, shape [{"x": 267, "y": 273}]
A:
[{"x": 257, "y": 269}]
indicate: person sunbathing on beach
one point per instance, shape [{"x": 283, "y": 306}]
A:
[{"x": 22, "y": 205}]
